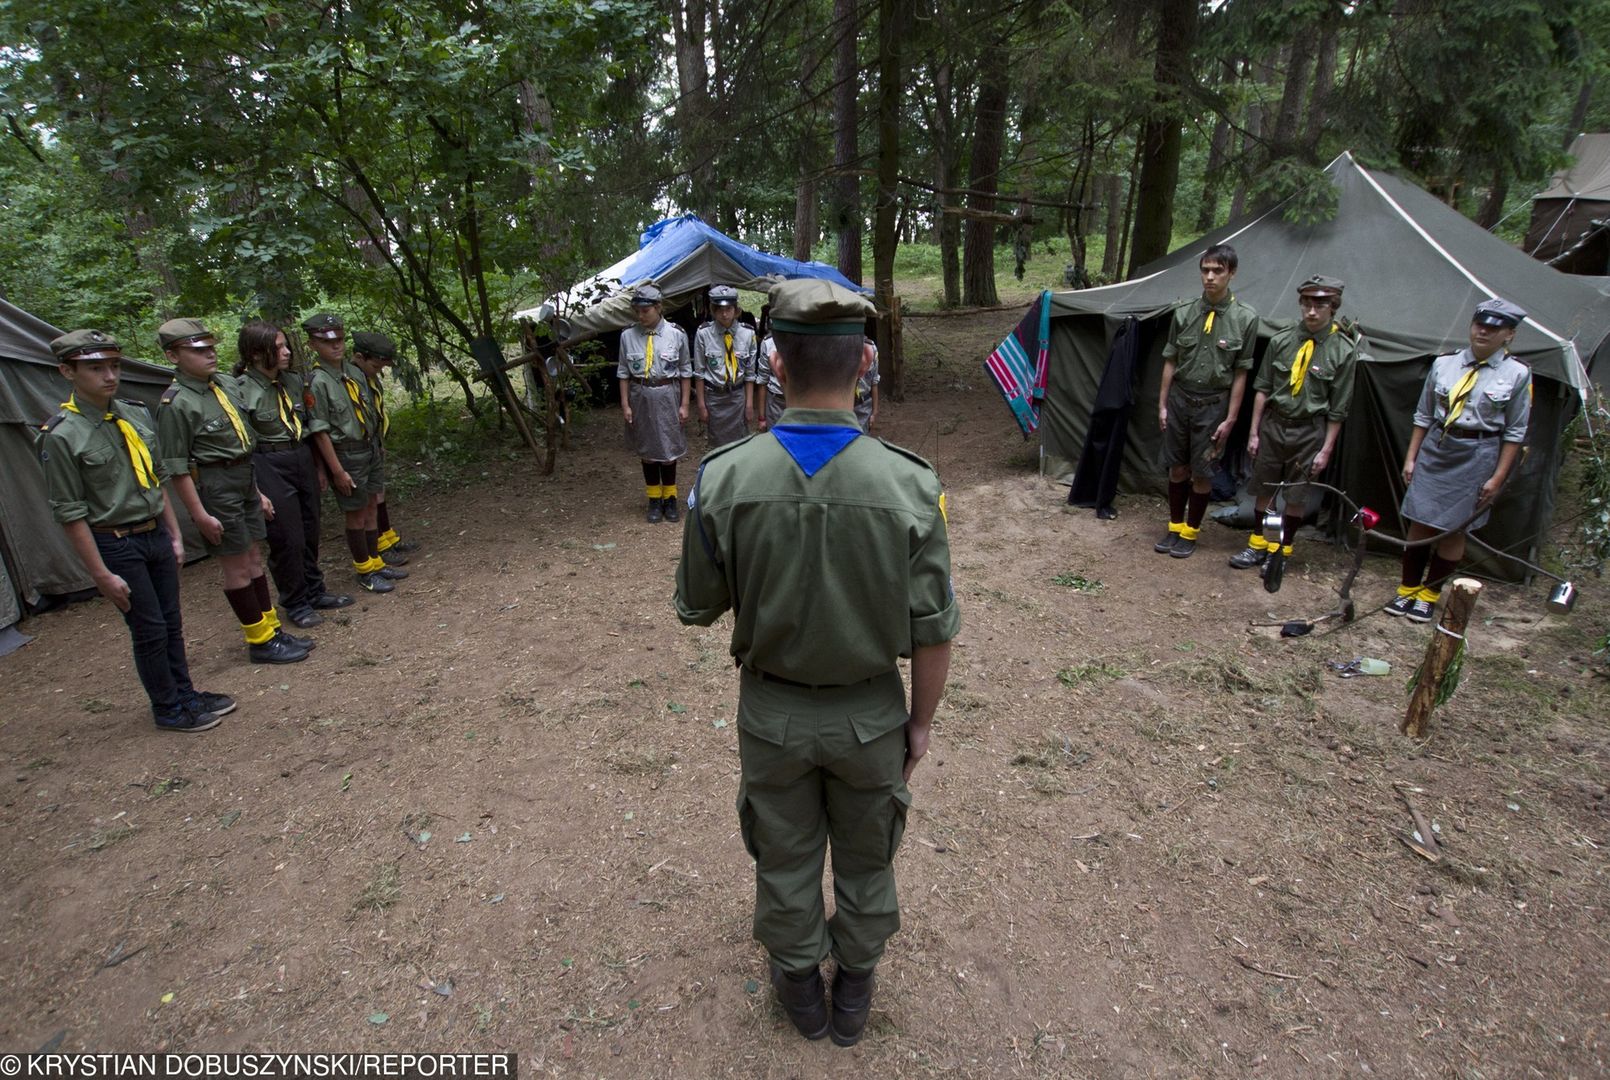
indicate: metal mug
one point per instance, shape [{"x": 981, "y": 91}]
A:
[{"x": 1562, "y": 598}]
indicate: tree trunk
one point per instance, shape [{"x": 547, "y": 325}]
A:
[
  {"x": 807, "y": 221},
  {"x": 1289, "y": 117},
  {"x": 846, "y": 184},
  {"x": 947, "y": 177},
  {"x": 983, "y": 180},
  {"x": 1324, "y": 77},
  {"x": 1218, "y": 151},
  {"x": 1160, "y": 139},
  {"x": 693, "y": 83},
  {"x": 1492, "y": 207},
  {"x": 884, "y": 237},
  {"x": 1579, "y": 113},
  {"x": 1113, "y": 198}
]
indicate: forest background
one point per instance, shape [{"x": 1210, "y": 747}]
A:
[{"x": 429, "y": 168}]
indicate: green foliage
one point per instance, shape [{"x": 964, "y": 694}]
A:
[{"x": 1588, "y": 548}]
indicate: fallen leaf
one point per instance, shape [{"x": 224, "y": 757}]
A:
[
  {"x": 721, "y": 723},
  {"x": 423, "y": 836},
  {"x": 1083, "y": 869},
  {"x": 751, "y": 986},
  {"x": 167, "y": 999},
  {"x": 498, "y": 899},
  {"x": 466, "y": 838},
  {"x": 229, "y": 819},
  {"x": 346, "y": 781},
  {"x": 378, "y": 1018},
  {"x": 1259, "y": 880},
  {"x": 676, "y": 707}
]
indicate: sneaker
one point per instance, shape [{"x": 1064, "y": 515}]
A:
[
  {"x": 276, "y": 650},
  {"x": 671, "y": 511},
  {"x": 375, "y": 583},
  {"x": 186, "y": 720},
  {"x": 1182, "y": 548},
  {"x": 217, "y": 704},
  {"x": 1400, "y": 605},
  {"x": 393, "y": 557},
  {"x": 1248, "y": 557},
  {"x": 304, "y": 618},
  {"x": 1420, "y": 610},
  {"x": 655, "y": 512},
  {"x": 300, "y": 642},
  {"x": 1166, "y": 544},
  {"x": 391, "y": 573},
  {"x": 407, "y": 547}
]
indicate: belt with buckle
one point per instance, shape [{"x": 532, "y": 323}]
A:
[
  {"x": 651, "y": 382},
  {"x": 709, "y": 386},
  {"x": 224, "y": 464},
  {"x": 1200, "y": 396},
  {"x": 1466, "y": 433},
  {"x": 125, "y": 530}
]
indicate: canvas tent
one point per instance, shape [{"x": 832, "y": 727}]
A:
[
  {"x": 1415, "y": 270},
  {"x": 683, "y": 256},
  {"x": 38, "y": 561},
  {"x": 1570, "y": 227}
]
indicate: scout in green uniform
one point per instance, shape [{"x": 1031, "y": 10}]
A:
[
  {"x": 1469, "y": 427},
  {"x": 103, "y": 473},
  {"x": 831, "y": 550},
  {"x": 1205, "y": 364},
  {"x": 724, "y": 369},
  {"x": 1301, "y": 396},
  {"x": 207, "y": 447},
  {"x": 654, "y": 370},
  {"x": 341, "y": 419},
  {"x": 283, "y": 467},
  {"x": 373, "y": 353}
]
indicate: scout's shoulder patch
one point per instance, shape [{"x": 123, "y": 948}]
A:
[
  {"x": 169, "y": 394},
  {"x": 135, "y": 406},
  {"x": 727, "y": 449},
  {"x": 903, "y": 452},
  {"x": 54, "y": 422}
]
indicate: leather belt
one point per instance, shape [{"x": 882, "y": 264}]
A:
[
  {"x": 1465, "y": 433},
  {"x": 766, "y": 676},
  {"x": 1199, "y": 396},
  {"x": 278, "y": 448},
  {"x": 223, "y": 464},
  {"x": 709, "y": 386},
  {"x": 125, "y": 530},
  {"x": 652, "y": 382}
]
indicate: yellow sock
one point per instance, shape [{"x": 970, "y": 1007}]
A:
[
  {"x": 1429, "y": 595},
  {"x": 1257, "y": 543},
  {"x": 258, "y": 632},
  {"x": 272, "y": 617},
  {"x": 1188, "y": 533},
  {"x": 1286, "y": 550},
  {"x": 668, "y": 491},
  {"x": 653, "y": 490},
  {"x": 1408, "y": 590},
  {"x": 388, "y": 539},
  {"x": 1176, "y": 526}
]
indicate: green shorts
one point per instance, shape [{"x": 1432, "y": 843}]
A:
[
  {"x": 1193, "y": 417},
  {"x": 229, "y": 494},
  {"x": 378, "y": 474},
  {"x": 1286, "y": 450},
  {"x": 362, "y": 464}
]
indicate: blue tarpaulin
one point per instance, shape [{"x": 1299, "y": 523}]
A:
[{"x": 665, "y": 244}]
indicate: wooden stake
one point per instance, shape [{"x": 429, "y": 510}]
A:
[{"x": 1443, "y": 647}]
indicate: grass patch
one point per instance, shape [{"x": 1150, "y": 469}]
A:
[
  {"x": 648, "y": 762},
  {"x": 167, "y": 784},
  {"x": 108, "y": 837},
  {"x": 96, "y": 705},
  {"x": 383, "y": 890},
  {"x": 1085, "y": 674},
  {"x": 1078, "y": 583},
  {"x": 1054, "y": 750}
]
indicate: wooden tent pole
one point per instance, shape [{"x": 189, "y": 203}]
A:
[{"x": 1446, "y": 644}]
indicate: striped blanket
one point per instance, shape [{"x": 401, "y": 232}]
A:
[{"x": 1018, "y": 364}]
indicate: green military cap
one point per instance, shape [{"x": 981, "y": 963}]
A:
[
  {"x": 1320, "y": 285},
  {"x": 176, "y": 332},
  {"x": 323, "y": 325},
  {"x": 86, "y": 345},
  {"x": 813, "y": 306},
  {"x": 375, "y": 344}
]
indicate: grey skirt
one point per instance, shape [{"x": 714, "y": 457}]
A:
[
  {"x": 774, "y": 408},
  {"x": 726, "y": 408},
  {"x": 1448, "y": 476},
  {"x": 655, "y": 433}
]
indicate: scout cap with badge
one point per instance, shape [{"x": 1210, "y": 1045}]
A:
[
  {"x": 1322, "y": 286},
  {"x": 646, "y": 294},
  {"x": 813, "y": 306},
  {"x": 1499, "y": 313},
  {"x": 192, "y": 333},
  {"x": 375, "y": 344},
  {"x": 325, "y": 326},
  {"x": 722, "y": 295},
  {"x": 86, "y": 345}
]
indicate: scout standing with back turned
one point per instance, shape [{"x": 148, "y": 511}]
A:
[
  {"x": 1205, "y": 363},
  {"x": 724, "y": 361},
  {"x": 104, "y": 472},
  {"x": 654, "y": 371}
]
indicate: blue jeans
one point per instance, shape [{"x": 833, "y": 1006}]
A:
[{"x": 146, "y": 562}]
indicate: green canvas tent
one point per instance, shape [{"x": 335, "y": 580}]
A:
[
  {"x": 1415, "y": 270},
  {"x": 38, "y": 561},
  {"x": 1570, "y": 226}
]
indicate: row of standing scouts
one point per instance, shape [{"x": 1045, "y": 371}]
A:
[
  {"x": 1469, "y": 423},
  {"x": 247, "y": 455}
]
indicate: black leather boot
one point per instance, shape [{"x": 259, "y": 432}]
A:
[
  {"x": 801, "y": 998},
  {"x": 852, "y": 1000}
]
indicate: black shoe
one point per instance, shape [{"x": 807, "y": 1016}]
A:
[
  {"x": 852, "y": 1000},
  {"x": 186, "y": 720},
  {"x": 1248, "y": 557},
  {"x": 671, "y": 511},
  {"x": 391, "y": 573},
  {"x": 1421, "y": 610},
  {"x": 1166, "y": 544},
  {"x": 802, "y": 999},
  {"x": 305, "y": 643},
  {"x": 655, "y": 512},
  {"x": 407, "y": 547},
  {"x": 1400, "y": 605},
  {"x": 304, "y": 618},
  {"x": 217, "y": 704},
  {"x": 1106, "y": 513},
  {"x": 326, "y": 601},
  {"x": 1182, "y": 548},
  {"x": 1274, "y": 569},
  {"x": 375, "y": 583},
  {"x": 394, "y": 557},
  {"x": 276, "y": 650}
]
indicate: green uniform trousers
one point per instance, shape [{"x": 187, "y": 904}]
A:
[{"x": 823, "y": 766}]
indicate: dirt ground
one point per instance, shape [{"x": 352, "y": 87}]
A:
[{"x": 495, "y": 810}]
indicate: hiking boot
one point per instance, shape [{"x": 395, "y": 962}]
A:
[
  {"x": 1420, "y": 610},
  {"x": 326, "y": 601},
  {"x": 305, "y": 643},
  {"x": 391, "y": 573},
  {"x": 1400, "y": 605},
  {"x": 655, "y": 512},
  {"x": 217, "y": 704},
  {"x": 852, "y": 1000},
  {"x": 671, "y": 512},
  {"x": 1166, "y": 544},
  {"x": 1182, "y": 548},
  {"x": 802, "y": 999},
  {"x": 1248, "y": 557},
  {"x": 1274, "y": 569},
  {"x": 181, "y": 719},
  {"x": 276, "y": 650}
]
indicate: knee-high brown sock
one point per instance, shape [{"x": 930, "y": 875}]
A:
[
  {"x": 1195, "y": 508},
  {"x": 1414, "y": 565},
  {"x": 358, "y": 544},
  {"x": 371, "y": 543},
  {"x": 265, "y": 602},
  {"x": 1289, "y": 524},
  {"x": 382, "y": 517},
  {"x": 1178, "y": 492},
  {"x": 243, "y": 602},
  {"x": 1439, "y": 573}
]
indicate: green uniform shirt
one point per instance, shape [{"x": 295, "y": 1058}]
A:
[
  {"x": 333, "y": 410},
  {"x": 831, "y": 577},
  {"x": 193, "y": 426},
  {"x": 266, "y": 412},
  {"x": 1328, "y": 383},
  {"x": 1208, "y": 358},
  {"x": 377, "y": 397},
  {"x": 89, "y": 475}
]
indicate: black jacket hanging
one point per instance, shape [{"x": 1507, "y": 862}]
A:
[{"x": 1095, "y": 482}]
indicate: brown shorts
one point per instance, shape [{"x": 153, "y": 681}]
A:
[
  {"x": 1193, "y": 416},
  {"x": 229, "y": 494},
  {"x": 362, "y": 464},
  {"x": 1286, "y": 450}
]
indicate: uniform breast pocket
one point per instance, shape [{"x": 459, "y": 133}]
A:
[
  {"x": 1499, "y": 395},
  {"x": 214, "y": 425},
  {"x": 1230, "y": 346},
  {"x": 99, "y": 458},
  {"x": 1187, "y": 341}
]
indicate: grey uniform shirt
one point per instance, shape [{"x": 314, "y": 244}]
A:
[
  {"x": 763, "y": 368},
  {"x": 710, "y": 354},
  {"x": 671, "y": 355},
  {"x": 1501, "y": 400}
]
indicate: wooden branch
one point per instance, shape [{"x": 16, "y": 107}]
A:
[
  {"x": 1250, "y": 966},
  {"x": 953, "y": 312},
  {"x": 1440, "y": 652},
  {"x": 923, "y": 185}
]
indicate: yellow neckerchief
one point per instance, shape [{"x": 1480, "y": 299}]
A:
[
  {"x": 1299, "y": 367},
  {"x": 139, "y": 456},
  {"x": 1462, "y": 389},
  {"x": 357, "y": 400},
  {"x": 380, "y": 405},
  {"x": 648, "y": 353},
  {"x": 229, "y": 411},
  {"x": 732, "y": 360},
  {"x": 1207, "y": 324},
  {"x": 288, "y": 417}
]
